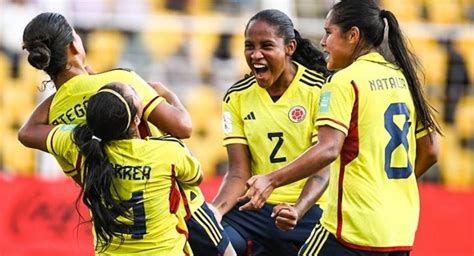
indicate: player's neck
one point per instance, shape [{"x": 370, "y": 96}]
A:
[
  {"x": 72, "y": 69},
  {"x": 283, "y": 82}
]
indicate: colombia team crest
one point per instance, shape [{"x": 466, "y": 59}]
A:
[{"x": 297, "y": 114}]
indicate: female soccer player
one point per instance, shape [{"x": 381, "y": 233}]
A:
[
  {"x": 268, "y": 121},
  {"x": 376, "y": 129},
  {"x": 129, "y": 184},
  {"x": 54, "y": 47}
]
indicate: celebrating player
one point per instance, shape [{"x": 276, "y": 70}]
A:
[
  {"x": 129, "y": 184},
  {"x": 376, "y": 129},
  {"x": 54, "y": 47},
  {"x": 268, "y": 121}
]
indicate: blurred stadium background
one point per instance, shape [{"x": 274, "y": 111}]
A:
[{"x": 195, "y": 47}]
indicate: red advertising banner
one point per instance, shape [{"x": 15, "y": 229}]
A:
[{"x": 39, "y": 217}]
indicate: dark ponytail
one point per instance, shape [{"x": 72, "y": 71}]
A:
[
  {"x": 367, "y": 16},
  {"x": 409, "y": 64},
  {"x": 107, "y": 119},
  {"x": 46, "y": 38},
  {"x": 306, "y": 53}
]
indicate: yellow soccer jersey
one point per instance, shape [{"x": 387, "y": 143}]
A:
[
  {"x": 146, "y": 173},
  {"x": 275, "y": 132},
  {"x": 69, "y": 103},
  {"x": 373, "y": 199}
]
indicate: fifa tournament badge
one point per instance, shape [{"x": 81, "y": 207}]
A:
[{"x": 297, "y": 114}]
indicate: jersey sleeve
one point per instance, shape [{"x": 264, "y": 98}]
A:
[
  {"x": 62, "y": 147},
  {"x": 150, "y": 97},
  {"x": 335, "y": 105},
  {"x": 232, "y": 123},
  {"x": 189, "y": 169},
  {"x": 421, "y": 131}
]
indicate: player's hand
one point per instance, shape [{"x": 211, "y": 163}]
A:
[
  {"x": 161, "y": 89},
  {"x": 217, "y": 213},
  {"x": 286, "y": 216},
  {"x": 259, "y": 189}
]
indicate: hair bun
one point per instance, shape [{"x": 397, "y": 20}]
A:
[{"x": 39, "y": 56}]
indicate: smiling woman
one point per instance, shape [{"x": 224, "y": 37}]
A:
[
  {"x": 370, "y": 178},
  {"x": 268, "y": 120}
]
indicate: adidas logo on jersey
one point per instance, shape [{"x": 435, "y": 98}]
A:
[{"x": 250, "y": 116}]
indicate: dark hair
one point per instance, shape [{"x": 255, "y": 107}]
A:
[
  {"x": 369, "y": 18},
  {"x": 46, "y": 38},
  {"x": 306, "y": 53},
  {"x": 107, "y": 119}
]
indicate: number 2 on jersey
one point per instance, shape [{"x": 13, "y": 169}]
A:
[
  {"x": 279, "y": 143},
  {"x": 397, "y": 137}
]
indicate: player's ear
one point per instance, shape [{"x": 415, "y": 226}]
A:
[
  {"x": 290, "y": 47},
  {"x": 73, "y": 47},
  {"x": 354, "y": 35}
]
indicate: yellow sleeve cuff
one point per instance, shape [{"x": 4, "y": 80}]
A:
[
  {"x": 234, "y": 140},
  {"x": 50, "y": 142},
  {"x": 332, "y": 123},
  {"x": 151, "y": 106}
]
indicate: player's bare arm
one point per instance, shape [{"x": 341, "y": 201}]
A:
[
  {"x": 315, "y": 158},
  {"x": 233, "y": 183},
  {"x": 287, "y": 216},
  {"x": 427, "y": 153},
  {"x": 34, "y": 132},
  {"x": 171, "y": 116}
]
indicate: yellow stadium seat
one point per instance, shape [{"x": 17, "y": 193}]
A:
[
  {"x": 467, "y": 167},
  {"x": 444, "y": 11},
  {"x": 200, "y": 7},
  {"x": 206, "y": 140},
  {"x": 30, "y": 76},
  {"x": 17, "y": 104},
  {"x": 16, "y": 157},
  {"x": 404, "y": 10},
  {"x": 5, "y": 67},
  {"x": 104, "y": 49},
  {"x": 156, "y": 6},
  {"x": 457, "y": 162},
  {"x": 465, "y": 118},
  {"x": 434, "y": 60},
  {"x": 203, "y": 44},
  {"x": 163, "y": 41}
]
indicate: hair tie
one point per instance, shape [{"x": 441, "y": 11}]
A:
[
  {"x": 96, "y": 138},
  {"x": 122, "y": 99},
  {"x": 383, "y": 13}
]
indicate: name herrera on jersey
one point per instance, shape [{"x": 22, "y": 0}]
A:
[
  {"x": 387, "y": 83},
  {"x": 128, "y": 172}
]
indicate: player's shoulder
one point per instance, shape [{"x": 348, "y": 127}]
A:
[
  {"x": 168, "y": 140},
  {"x": 116, "y": 70},
  {"x": 240, "y": 87},
  {"x": 312, "y": 78},
  {"x": 342, "y": 77}
]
